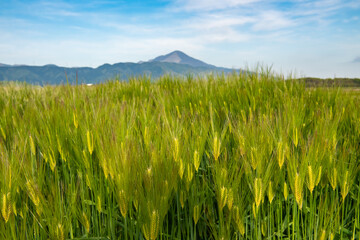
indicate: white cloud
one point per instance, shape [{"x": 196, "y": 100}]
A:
[
  {"x": 272, "y": 20},
  {"x": 208, "y": 5},
  {"x": 213, "y": 21}
]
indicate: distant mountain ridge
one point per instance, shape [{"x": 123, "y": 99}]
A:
[{"x": 176, "y": 62}]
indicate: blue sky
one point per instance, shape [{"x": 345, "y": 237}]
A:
[{"x": 318, "y": 38}]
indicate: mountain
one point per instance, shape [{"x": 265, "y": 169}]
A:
[
  {"x": 181, "y": 58},
  {"x": 4, "y": 65},
  {"x": 176, "y": 63}
]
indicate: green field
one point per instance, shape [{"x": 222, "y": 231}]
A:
[{"x": 243, "y": 156}]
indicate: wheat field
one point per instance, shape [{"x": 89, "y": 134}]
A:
[{"x": 242, "y": 156}]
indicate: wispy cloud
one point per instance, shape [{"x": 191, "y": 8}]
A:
[
  {"x": 211, "y": 21},
  {"x": 273, "y": 20},
  {"x": 209, "y": 5},
  {"x": 356, "y": 60}
]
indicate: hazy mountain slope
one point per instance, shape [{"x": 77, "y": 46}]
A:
[{"x": 52, "y": 74}]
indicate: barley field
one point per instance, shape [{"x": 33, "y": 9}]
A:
[{"x": 243, "y": 156}]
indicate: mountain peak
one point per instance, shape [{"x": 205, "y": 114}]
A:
[
  {"x": 180, "y": 58},
  {"x": 178, "y": 52}
]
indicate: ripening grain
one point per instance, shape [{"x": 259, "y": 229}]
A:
[{"x": 243, "y": 156}]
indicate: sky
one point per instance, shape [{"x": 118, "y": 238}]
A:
[{"x": 319, "y": 38}]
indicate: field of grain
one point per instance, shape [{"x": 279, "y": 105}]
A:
[{"x": 244, "y": 156}]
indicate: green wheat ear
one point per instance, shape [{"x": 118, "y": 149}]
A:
[
  {"x": 286, "y": 191},
  {"x": 271, "y": 193},
  {"x": 295, "y": 137},
  {"x": 311, "y": 177},
  {"x": 60, "y": 232},
  {"x": 230, "y": 198},
  {"x": 345, "y": 186},
  {"x": 238, "y": 220},
  {"x": 258, "y": 191},
  {"x": 333, "y": 179},
  {"x": 76, "y": 123},
  {"x": 196, "y": 160},
  {"x": 3, "y": 133},
  {"x": 176, "y": 149},
  {"x": 123, "y": 203},
  {"x": 6, "y": 207},
  {"x": 281, "y": 156},
  {"x": 90, "y": 142},
  {"x": 222, "y": 197},
  {"x": 298, "y": 190},
  {"x": 32, "y": 146},
  {"x": 216, "y": 147},
  {"x": 196, "y": 215},
  {"x": 86, "y": 222},
  {"x": 154, "y": 225}
]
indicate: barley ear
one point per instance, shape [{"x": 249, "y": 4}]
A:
[
  {"x": 286, "y": 191},
  {"x": 230, "y": 198},
  {"x": 196, "y": 160},
  {"x": 196, "y": 213},
  {"x": 333, "y": 179},
  {"x": 98, "y": 204},
  {"x": 176, "y": 149},
  {"x": 295, "y": 137},
  {"x": 145, "y": 231},
  {"x": 216, "y": 147},
  {"x": 311, "y": 175},
  {"x": 223, "y": 195},
  {"x": 123, "y": 202},
  {"x": 32, "y": 146},
  {"x": 6, "y": 207},
  {"x": 270, "y": 192},
  {"x": 238, "y": 220},
  {"x": 345, "y": 186},
  {"x": 323, "y": 235},
  {"x": 154, "y": 225},
  {"x": 76, "y": 123},
  {"x": 318, "y": 178},
  {"x": 181, "y": 168},
  {"x": 298, "y": 190},
  {"x": 3, "y": 133},
  {"x": 258, "y": 191},
  {"x": 281, "y": 156},
  {"x": 253, "y": 158},
  {"x": 86, "y": 223},
  {"x": 90, "y": 142},
  {"x": 60, "y": 232}
]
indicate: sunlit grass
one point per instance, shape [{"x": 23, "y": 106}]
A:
[{"x": 244, "y": 156}]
